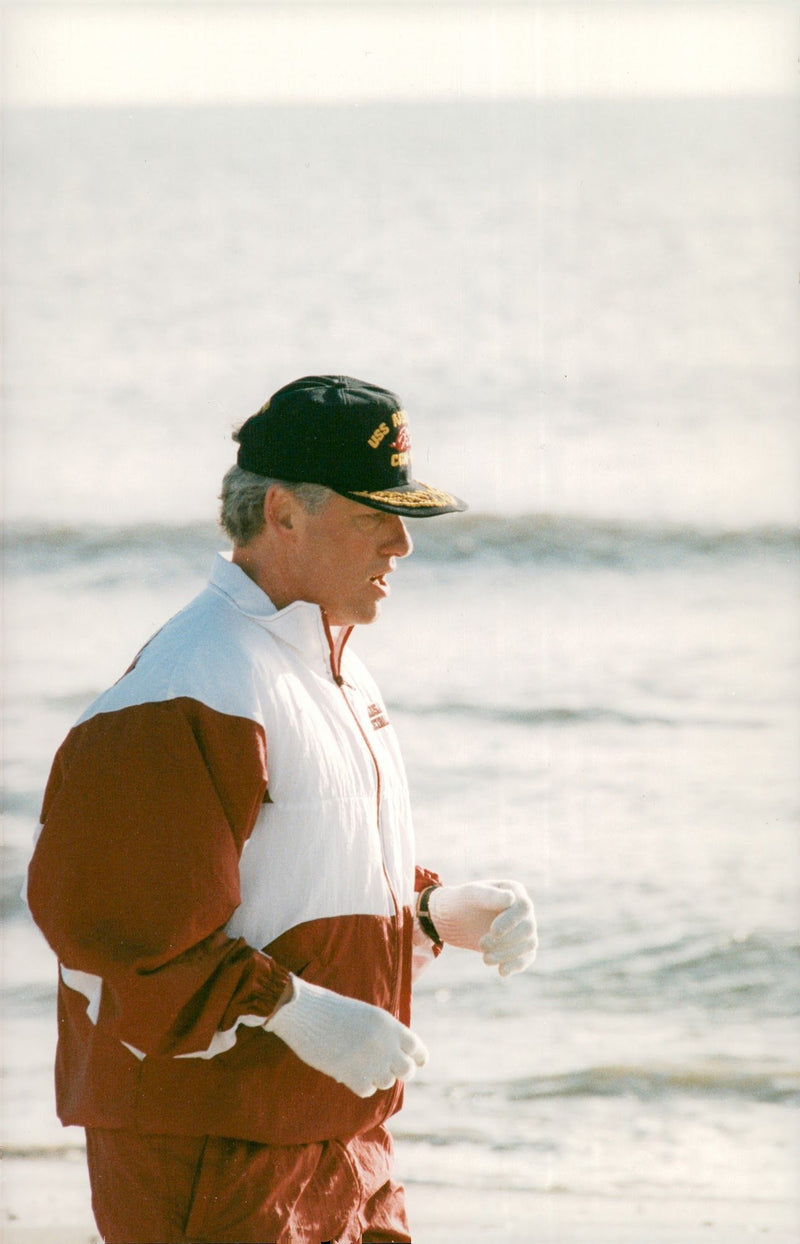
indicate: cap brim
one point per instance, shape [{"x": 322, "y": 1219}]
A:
[{"x": 412, "y": 500}]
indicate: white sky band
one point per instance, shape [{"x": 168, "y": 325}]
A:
[{"x": 192, "y": 53}]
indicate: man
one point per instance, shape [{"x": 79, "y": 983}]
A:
[{"x": 225, "y": 866}]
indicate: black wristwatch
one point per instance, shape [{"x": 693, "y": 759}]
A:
[{"x": 424, "y": 915}]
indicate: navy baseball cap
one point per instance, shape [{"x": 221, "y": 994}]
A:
[{"x": 349, "y": 435}]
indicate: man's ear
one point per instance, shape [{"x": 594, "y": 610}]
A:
[{"x": 279, "y": 508}]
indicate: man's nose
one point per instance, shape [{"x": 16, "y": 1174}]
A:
[{"x": 398, "y": 542}]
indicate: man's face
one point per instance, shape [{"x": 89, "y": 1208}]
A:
[{"x": 345, "y": 553}]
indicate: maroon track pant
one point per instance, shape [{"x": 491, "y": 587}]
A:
[{"x": 211, "y": 1190}]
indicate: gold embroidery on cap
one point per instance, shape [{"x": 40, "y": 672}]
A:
[
  {"x": 431, "y": 496},
  {"x": 380, "y": 432},
  {"x": 401, "y": 445},
  {"x": 399, "y": 418}
]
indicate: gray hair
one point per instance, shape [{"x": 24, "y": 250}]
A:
[{"x": 243, "y": 493}]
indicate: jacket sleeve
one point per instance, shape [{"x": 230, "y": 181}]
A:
[{"x": 136, "y": 871}]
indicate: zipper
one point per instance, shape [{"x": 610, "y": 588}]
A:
[{"x": 336, "y": 649}]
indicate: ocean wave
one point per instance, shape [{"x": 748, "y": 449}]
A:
[
  {"x": 525, "y": 538},
  {"x": 33, "y": 1153},
  {"x": 648, "y": 1082},
  {"x": 757, "y": 974},
  {"x": 32, "y": 547},
  {"x": 584, "y": 540},
  {"x": 566, "y": 715}
]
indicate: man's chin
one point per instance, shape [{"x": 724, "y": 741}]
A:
[
  {"x": 356, "y": 617},
  {"x": 367, "y": 617}
]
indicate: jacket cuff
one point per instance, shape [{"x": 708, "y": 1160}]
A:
[{"x": 423, "y": 878}]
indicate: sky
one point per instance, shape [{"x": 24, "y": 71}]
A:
[{"x": 89, "y": 52}]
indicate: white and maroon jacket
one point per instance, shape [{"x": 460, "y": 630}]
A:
[{"x": 233, "y": 809}]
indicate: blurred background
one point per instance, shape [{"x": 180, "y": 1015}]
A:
[{"x": 566, "y": 234}]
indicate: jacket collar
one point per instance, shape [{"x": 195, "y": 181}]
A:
[{"x": 302, "y": 625}]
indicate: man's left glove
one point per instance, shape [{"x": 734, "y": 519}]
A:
[
  {"x": 357, "y": 1044},
  {"x": 495, "y": 917}
]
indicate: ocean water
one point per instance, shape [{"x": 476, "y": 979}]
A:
[{"x": 590, "y": 311}]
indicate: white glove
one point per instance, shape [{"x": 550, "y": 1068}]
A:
[
  {"x": 359, "y": 1045},
  {"x": 493, "y": 916}
]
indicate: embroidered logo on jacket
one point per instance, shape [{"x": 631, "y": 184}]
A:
[{"x": 377, "y": 717}]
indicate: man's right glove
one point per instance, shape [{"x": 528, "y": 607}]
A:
[
  {"x": 358, "y": 1045},
  {"x": 495, "y": 917}
]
